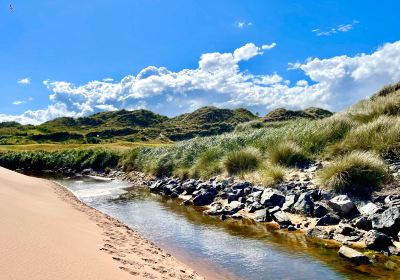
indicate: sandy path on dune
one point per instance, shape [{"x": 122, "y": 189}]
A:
[{"x": 46, "y": 233}]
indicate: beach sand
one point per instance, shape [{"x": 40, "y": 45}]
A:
[{"x": 47, "y": 233}]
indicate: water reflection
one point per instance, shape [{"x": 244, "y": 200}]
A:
[{"x": 248, "y": 250}]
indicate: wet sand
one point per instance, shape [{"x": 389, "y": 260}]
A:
[{"x": 47, "y": 233}]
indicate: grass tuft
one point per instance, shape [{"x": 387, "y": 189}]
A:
[
  {"x": 240, "y": 162},
  {"x": 272, "y": 175},
  {"x": 288, "y": 154},
  {"x": 358, "y": 173}
]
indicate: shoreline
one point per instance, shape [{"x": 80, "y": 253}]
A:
[{"x": 48, "y": 233}]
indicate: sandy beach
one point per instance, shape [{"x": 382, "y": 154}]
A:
[{"x": 46, "y": 233}]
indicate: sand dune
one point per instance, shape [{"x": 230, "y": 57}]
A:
[{"x": 46, "y": 233}]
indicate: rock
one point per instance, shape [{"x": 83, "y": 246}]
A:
[
  {"x": 233, "y": 207},
  {"x": 344, "y": 239},
  {"x": 291, "y": 228},
  {"x": 232, "y": 197},
  {"x": 290, "y": 200},
  {"x": 363, "y": 223},
  {"x": 256, "y": 195},
  {"x": 320, "y": 210},
  {"x": 251, "y": 208},
  {"x": 387, "y": 222},
  {"x": 346, "y": 230},
  {"x": 317, "y": 233},
  {"x": 328, "y": 219},
  {"x": 281, "y": 218},
  {"x": 369, "y": 209},
  {"x": 353, "y": 255},
  {"x": 174, "y": 195},
  {"x": 240, "y": 185},
  {"x": 156, "y": 186},
  {"x": 341, "y": 204},
  {"x": 304, "y": 204},
  {"x": 274, "y": 210},
  {"x": 203, "y": 199},
  {"x": 262, "y": 215},
  {"x": 215, "y": 209},
  {"x": 272, "y": 197},
  {"x": 377, "y": 241}
]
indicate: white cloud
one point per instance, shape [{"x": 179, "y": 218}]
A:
[
  {"x": 19, "y": 102},
  {"x": 24, "y": 81},
  {"x": 332, "y": 83},
  {"x": 340, "y": 28},
  {"x": 107, "y": 80},
  {"x": 242, "y": 24}
]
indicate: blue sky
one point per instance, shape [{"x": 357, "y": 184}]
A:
[{"x": 175, "y": 56}]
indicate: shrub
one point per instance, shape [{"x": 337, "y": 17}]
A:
[
  {"x": 288, "y": 154},
  {"x": 240, "y": 162},
  {"x": 358, "y": 173},
  {"x": 272, "y": 175},
  {"x": 162, "y": 168},
  {"x": 386, "y": 90}
]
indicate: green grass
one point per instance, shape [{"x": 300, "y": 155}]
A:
[
  {"x": 288, "y": 154},
  {"x": 243, "y": 161},
  {"x": 357, "y": 173},
  {"x": 272, "y": 174}
]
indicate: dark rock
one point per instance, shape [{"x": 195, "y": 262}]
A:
[
  {"x": 304, "y": 204},
  {"x": 291, "y": 228},
  {"x": 156, "y": 186},
  {"x": 240, "y": 185},
  {"x": 376, "y": 240},
  {"x": 346, "y": 230},
  {"x": 328, "y": 219},
  {"x": 342, "y": 205},
  {"x": 233, "y": 207},
  {"x": 320, "y": 210},
  {"x": 232, "y": 197},
  {"x": 174, "y": 195},
  {"x": 262, "y": 215},
  {"x": 281, "y": 218},
  {"x": 256, "y": 194},
  {"x": 363, "y": 223},
  {"x": 353, "y": 255},
  {"x": 203, "y": 199},
  {"x": 387, "y": 222},
  {"x": 272, "y": 197},
  {"x": 274, "y": 210}
]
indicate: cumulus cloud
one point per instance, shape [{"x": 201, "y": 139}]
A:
[
  {"x": 332, "y": 83},
  {"x": 24, "y": 81},
  {"x": 340, "y": 28}
]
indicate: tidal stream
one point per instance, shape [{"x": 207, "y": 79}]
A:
[{"x": 230, "y": 249}]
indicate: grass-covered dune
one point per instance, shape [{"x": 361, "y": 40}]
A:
[
  {"x": 368, "y": 130},
  {"x": 353, "y": 144}
]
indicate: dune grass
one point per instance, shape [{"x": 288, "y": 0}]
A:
[
  {"x": 272, "y": 174},
  {"x": 357, "y": 173},
  {"x": 288, "y": 154},
  {"x": 240, "y": 162}
]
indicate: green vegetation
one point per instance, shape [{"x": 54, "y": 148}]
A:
[
  {"x": 77, "y": 159},
  {"x": 240, "y": 162},
  {"x": 288, "y": 154},
  {"x": 354, "y": 140},
  {"x": 130, "y": 126},
  {"x": 272, "y": 175},
  {"x": 356, "y": 173}
]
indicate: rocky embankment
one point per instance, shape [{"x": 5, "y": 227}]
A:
[{"x": 297, "y": 205}]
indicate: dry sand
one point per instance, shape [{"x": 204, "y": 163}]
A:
[{"x": 46, "y": 233}]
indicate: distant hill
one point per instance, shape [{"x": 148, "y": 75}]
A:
[
  {"x": 282, "y": 114},
  {"x": 137, "y": 125}
]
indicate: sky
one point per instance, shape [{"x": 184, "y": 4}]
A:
[{"x": 75, "y": 58}]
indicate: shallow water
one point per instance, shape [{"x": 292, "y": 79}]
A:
[{"x": 231, "y": 249}]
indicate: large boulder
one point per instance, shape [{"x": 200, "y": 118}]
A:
[
  {"x": 342, "y": 205},
  {"x": 387, "y": 222},
  {"x": 203, "y": 199},
  {"x": 377, "y": 241},
  {"x": 320, "y": 210},
  {"x": 318, "y": 233},
  {"x": 353, "y": 255},
  {"x": 328, "y": 219},
  {"x": 363, "y": 223},
  {"x": 272, "y": 197},
  {"x": 304, "y": 204}
]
